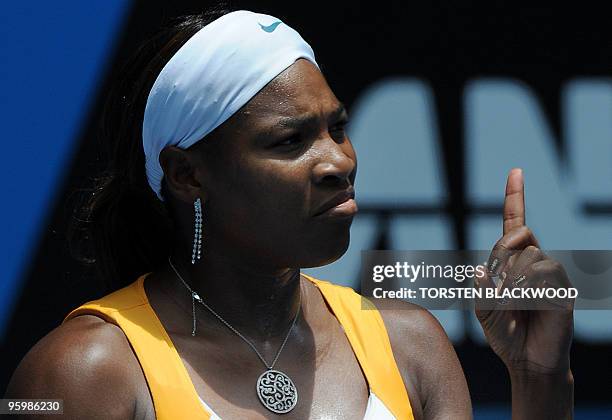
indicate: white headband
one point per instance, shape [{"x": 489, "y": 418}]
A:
[{"x": 212, "y": 76}]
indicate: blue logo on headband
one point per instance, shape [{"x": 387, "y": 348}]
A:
[{"x": 270, "y": 28}]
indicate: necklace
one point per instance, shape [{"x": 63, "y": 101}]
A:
[{"x": 275, "y": 389}]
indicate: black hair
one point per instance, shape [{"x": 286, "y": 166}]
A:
[{"x": 122, "y": 228}]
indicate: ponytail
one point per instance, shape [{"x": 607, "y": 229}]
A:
[{"x": 123, "y": 229}]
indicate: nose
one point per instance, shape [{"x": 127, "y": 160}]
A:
[{"x": 337, "y": 164}]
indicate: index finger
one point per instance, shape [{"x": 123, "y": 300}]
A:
[{"x": 514, "y": 201}]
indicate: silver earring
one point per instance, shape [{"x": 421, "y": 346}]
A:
[{"x": 197, "y": 238}]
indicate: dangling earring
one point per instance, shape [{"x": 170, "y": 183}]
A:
[{"x": 197, "y": 238}]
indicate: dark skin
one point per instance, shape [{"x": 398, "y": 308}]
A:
[
  {"x": 534, "y": 345},
  {"x": 280, "y": 158}
]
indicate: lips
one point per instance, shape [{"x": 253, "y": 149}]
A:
[{"x": 341, "y": 205}]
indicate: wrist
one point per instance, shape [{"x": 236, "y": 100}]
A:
[
  {"x": 529, "y": 370},
  {"x": 533, "y": 376},
  {"x": 554, "y": 391}
]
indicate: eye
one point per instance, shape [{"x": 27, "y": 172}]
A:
[
  {"x": 338, "y": 131},
  {"x": 289, "y": 141}
]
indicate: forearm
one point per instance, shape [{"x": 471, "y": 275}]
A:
[{"x": 542, "y": 396}]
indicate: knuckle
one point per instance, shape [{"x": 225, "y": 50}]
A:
[
  {"x": 526, "y": 231},
  {"x": 501, "y": 243},
  {"x": 556, "y": 266},
  {"x": 548, "y": 267},
  {"x": 534, "y": 252}
]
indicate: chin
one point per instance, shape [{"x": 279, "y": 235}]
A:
[{"x": 327, "y": 249}]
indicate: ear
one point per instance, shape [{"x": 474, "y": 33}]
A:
[{"x": 182, "y": 174}]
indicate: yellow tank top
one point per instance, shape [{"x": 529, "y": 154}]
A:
[{"x": 173, "y": 393}]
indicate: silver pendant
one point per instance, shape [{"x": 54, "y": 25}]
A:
[{"x": 276, "y": 391}]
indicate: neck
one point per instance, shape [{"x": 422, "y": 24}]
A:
[{"x": 259, "y": 302}]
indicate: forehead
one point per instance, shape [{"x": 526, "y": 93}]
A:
[{"x": 299, "y": 89}]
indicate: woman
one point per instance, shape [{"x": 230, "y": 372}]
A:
[{"x": 231, "y": 171}]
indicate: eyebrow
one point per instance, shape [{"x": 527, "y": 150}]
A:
[{"x": 310, "y": 119}]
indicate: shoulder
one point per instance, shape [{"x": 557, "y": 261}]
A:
[
  {"x": 423, "y": 355},
  {"x": 418, "y": 341},
  {"x": 88, "y": 363},
  {"x": 409, "y": 322}
]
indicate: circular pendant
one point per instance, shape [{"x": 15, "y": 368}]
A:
[{"x": 276, "y": 391}]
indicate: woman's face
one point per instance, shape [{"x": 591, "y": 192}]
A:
[{"x": 271, "y": 169}]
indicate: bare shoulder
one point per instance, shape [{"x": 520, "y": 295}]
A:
[
  {"x": 411, "y": 324},
  {"x": 424, "y": 354},
  {"x": 417, "y": 338},
  {"x": 88, "y": 363}
]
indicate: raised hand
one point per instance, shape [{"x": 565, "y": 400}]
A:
[{"x": 533, "y": 341}]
